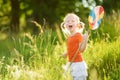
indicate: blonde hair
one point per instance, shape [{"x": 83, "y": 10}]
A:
[
  {"x": 72, "y": 14},
  {"x": 80, "y": 27}
]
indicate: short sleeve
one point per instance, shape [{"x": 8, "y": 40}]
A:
[{"x": 80, "y": 37}]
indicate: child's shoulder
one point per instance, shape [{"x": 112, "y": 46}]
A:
[{"x": 76, "y": 35}]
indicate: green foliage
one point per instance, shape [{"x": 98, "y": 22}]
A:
[
  {"x": 104, "y": 58},
  {"x": 110, "y": 4}
]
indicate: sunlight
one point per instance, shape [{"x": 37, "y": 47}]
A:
[{"x": 89, "y": 4}]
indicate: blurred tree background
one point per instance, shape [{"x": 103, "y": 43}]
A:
[{"x": 17, "y": 15}]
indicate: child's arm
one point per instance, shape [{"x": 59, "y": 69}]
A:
[{"x": 83, "y": 44}]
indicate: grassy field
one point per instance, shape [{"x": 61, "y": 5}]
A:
[{"x": 38, "y": 57}]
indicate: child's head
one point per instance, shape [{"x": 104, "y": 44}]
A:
[{"x": 72, "y": 23}]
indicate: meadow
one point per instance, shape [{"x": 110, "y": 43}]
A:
[{"x": 38, "y": 57}]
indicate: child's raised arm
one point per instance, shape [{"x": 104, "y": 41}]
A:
[{"x": 83, "y": 44}]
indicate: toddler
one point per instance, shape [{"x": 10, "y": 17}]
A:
[{"x": 76, "y": 44}]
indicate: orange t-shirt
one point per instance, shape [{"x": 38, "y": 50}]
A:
[{"x": 72, "y": 47}]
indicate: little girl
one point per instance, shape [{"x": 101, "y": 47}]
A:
[{"x": 76, "y": 44}]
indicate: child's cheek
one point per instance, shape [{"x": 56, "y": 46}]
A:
[{"x": 67, "y": 27}]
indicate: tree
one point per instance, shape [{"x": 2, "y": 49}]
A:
[
  {"x": 52, "y": 11},
  {"x": 15, "y": 15},
  {"x": 111, "y": 5}
]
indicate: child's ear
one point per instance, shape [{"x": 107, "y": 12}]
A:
[{"x": 80, "y": 26}]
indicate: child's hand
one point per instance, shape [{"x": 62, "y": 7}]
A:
[{"x": 64, "y": 55}]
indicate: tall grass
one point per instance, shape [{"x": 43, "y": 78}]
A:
[
  {"x": 33, "y": 58},
  {"x": 103, "y": 60},
  {"x": 39, "y": 58}
]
